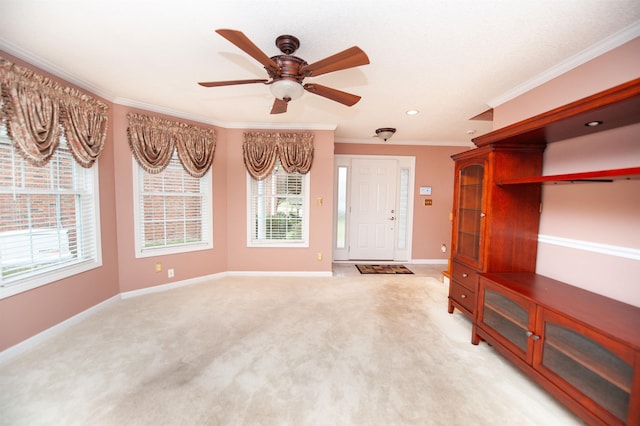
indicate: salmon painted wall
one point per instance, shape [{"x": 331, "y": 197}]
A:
[
  {"x": 610, "y": 69},
  {"x": 591, "y": 232},
  {"x": 243, "y": 258},
  {"x": 435, "y": 168},
  {"x": 136, "y": 273},
  {"x": 26, "y": 314}
]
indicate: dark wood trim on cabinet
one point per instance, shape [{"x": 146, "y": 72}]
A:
[
  {"x": 598, "y": 176},
  {"x": 615, "y": 107}
]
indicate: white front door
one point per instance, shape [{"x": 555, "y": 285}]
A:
[{"x": 373, "y": 209}]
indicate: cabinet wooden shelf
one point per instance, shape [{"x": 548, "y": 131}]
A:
[
  {"x": 579, "y": 345},
  {"x": 610, "y": 375},
  {"x": 482, "y": 242},
  {"x": 597, "y": 176},
  {"x": 615, "y": 319},
  {"x": 582, "y": 347},
  {"x": 504, "y": 312}
]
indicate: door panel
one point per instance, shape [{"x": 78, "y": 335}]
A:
[{"x": 373, "y": 211}]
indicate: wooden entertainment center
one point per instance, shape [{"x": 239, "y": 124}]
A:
[{"x": 582, "y": 347}]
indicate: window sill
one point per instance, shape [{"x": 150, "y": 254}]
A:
[{"x": 42, "y": 279}]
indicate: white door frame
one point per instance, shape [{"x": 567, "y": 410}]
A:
[{"x": 406, "y": 165}]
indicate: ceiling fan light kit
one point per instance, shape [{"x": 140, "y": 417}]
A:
[
  {"x": 287, "y": 71},
  {"x": 287, "y": 90},
  {"x": 385, "y": 133}
]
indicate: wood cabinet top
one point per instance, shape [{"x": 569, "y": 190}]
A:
[
  {"x": 619, "y": 320},
  {"x": 615, "y": 107}
]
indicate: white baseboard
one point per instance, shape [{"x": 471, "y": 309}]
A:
[
  {"x": 396, "y": 262},
  {"x": 279, "y": 273},
  {"x": 429, "y": 261},
  {"x": 35, "y": 340},
  {"x": 170, "y": 286}
]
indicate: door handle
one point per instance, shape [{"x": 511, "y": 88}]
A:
[{"x": 392, "y": 218}]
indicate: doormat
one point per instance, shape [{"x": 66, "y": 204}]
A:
[{"x": 383, "y": 269}]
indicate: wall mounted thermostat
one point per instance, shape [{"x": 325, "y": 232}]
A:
[{"x": 425, "y": 190}]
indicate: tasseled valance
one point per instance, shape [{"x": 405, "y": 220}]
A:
[
  {"x": 34, "y": 107},
  {"x": 152, "y": 141},
  {"x": 261, "y": 150}
]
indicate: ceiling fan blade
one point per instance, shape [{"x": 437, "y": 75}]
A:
[
  {"x": 229, "y": 83},
  {"x": 333, "y": 94},
  {"x": 352, "y": 57},
  {"x": 279, "y": 106},
  {"x": 243, "y": 42}
]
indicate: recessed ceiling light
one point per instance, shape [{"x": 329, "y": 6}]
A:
[
  {"x": 413, "y": 112},
  {"x": 593, "y": 123}
]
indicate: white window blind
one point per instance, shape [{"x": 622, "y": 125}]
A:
[
  {"x": 173, "y": 212},
  {"x": 49, "y": 226},
  {"x": 278, "y": 209}
]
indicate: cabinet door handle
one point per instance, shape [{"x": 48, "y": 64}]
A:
[
  {"x": 465, "y": 275},
  {"x": 482, "y": 214},
  {"x": 463, "y": 296},
  {"x": 535, "y": 336}
]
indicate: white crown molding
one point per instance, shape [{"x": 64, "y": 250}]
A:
[
  {"x": 610, "y": 250},
  {"x": 47, "y": 66},
  {"x": 598, "y": 49},
  {"x": 375, "y": 141},
  {"x": 227, "y": 125},
  {"x": 166, "y": 111},
  {"x": 275, "y": 126}
]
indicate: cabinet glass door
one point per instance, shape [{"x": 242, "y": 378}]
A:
[
  {"x": 510, "y": 317},
  {"x": 588, "y": 366},
  {"x": 470, "y": 192}
]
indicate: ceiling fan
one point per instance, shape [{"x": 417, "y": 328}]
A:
[{"x": 286, "y": 72}]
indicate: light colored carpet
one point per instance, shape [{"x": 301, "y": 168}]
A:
[{"x": 370, "y": 350}]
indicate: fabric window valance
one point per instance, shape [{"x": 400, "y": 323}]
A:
[
  {"x": 152, "y": 141},
  {"x": 35, "y": 109},
  {"x": 261, "y": 150}
]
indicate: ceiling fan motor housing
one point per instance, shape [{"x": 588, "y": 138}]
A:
[
  {"x": 288, "y": 68},
  {"x": 288, "y": 65}
]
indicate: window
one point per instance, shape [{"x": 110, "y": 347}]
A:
[
  {"x": 278, "y": 209},
  {"x": 341, "y": 204},
  {"x": 172, "y": 211},
  {"x": 49, "y": 220},
  {"x": 403, "y": 208}
]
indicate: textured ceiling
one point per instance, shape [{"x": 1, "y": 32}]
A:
[{"x": 448, "y": 59}]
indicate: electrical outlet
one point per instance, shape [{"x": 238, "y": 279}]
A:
[
  {"x": 428, "y": 202},
  {"x": 319, "y": 255},
  {"x": 158, "y": 267},
  {"x": 170, "y": 273}
]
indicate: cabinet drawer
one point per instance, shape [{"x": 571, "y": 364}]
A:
[
  {"x": 465, "y": 275},
  {"x": 463, "y": 296}
]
